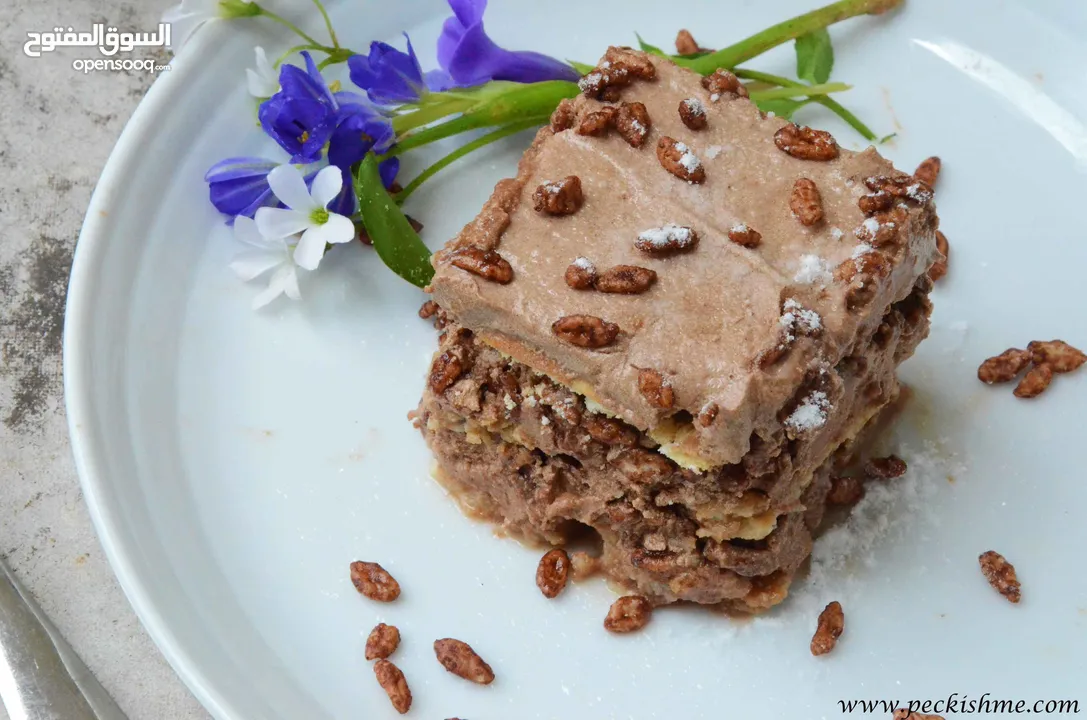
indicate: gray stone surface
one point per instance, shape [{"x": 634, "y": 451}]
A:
[{"x": 57, "y": 127}]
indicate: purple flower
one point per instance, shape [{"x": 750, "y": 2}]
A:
[
  {"x": 472, "y": 58},
  {"x": 311, "y": 123},
  {"x": 239, "y": 185},
  {"x": 302, "y": 115},
  {"x": 391, "y": 77},
  {"x": 358, "y": 131}
]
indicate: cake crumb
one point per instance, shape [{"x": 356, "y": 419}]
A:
[
  {"x": 552, "y": 572},
  {"x": 627, "y": 614},
  {"x": 1001, "y": 575},
  {"x": 831, "y": 625}
]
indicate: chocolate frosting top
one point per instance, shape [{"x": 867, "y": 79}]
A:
[{"x": 713, "y": 309}]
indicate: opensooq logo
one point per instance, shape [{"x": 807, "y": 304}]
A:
[{"x": 108, "y": 41}]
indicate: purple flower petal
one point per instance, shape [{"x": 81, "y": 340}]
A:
[
  {"x": 301, "y": 126},
  {"x": 389, "y": 76},
  {"x": 356, "y": 134},
  {"x": 297, "y": 83},
  {"x": 239, "y": 167},
  {"x": 468, "y": 12},
  {"x": 238, "y": 186},
  {"x": 472, "y": 58},
  {"x": 344, "y": 203},
  {"x": 388, "y": 170},
  {"x": 438, "y": 80}
]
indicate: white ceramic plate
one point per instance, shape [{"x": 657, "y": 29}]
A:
[{"x": 235, "y": 462}]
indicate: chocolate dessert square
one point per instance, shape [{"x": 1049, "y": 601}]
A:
[{"x": 670, "y": 326}]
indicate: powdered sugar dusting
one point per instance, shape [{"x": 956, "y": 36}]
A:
[
  {"x": 715, "y": 97},
  {"x": 668, "y": 236},
  {"x": 813, "y": 270},
  {"x": 811, "y": 413},
  {"x": 688, "y": 159},
  {"x": 591, "y": 80},
  {"x": 713, "y": 151},
  {"x": 585, "y": 264},
  {"x": 836, "y": 233},
  {"x": 916, "y": 193},
  {"x": 695, "y": 106},
  {"x": 739, "y": 228},
  {"x": 797, "y": 318},
  {"x": 861, "y": 249},
  {"x": 888, "y": 512}
]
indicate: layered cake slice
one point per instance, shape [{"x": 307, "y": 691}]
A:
[{"x": 670, "y": 326}]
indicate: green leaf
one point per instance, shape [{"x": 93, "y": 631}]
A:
[
  {"x": 783, "y": 107},
  {"x": 396, "y": 243},
  {"x": 646, "y": 47},
  {"x": 885, "y": 138},
  {"x": 581, "y": 67},
  {"x": 814, "y": 56}
]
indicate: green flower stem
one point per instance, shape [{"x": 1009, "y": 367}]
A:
[
  {"x": 284, "y": 21},
  {"x": 292, "y": 51},
  {"x": 802, "y": 91},
  {"x": 533, "y": 102},
  {"x": 335, "y": 55},
  {"x": 760, "y": 42},
  {"x": 429, "y": 113},
  {"x": 396, "y": 243},
  {"x": 827, "y": 102},
  {"x": 461, "y": 152},
  {"x": 328, "y": 23}
]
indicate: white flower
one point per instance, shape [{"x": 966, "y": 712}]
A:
[
  {"x": 185, "y": 17},
  {"x": 263, "y": 81},
  {"x": 261, "y": 255},
  {"x": 307, "y": 213}
]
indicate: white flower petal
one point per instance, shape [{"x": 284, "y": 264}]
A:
[
  {"x": 338, "y": 229},
  {"x": 258, "y": 86},
  {"x": 290, "y": 285},
  {"x": 247, "y": 233},
  {"x": 310, "y": 250},
  {"x": 251, "y": 264},
  {"x": 326, "y": 185},
  {"x": 277, "y": 285},
  {"x": 289, "y": 186},
  {"x": 280, "y": 223},
  {"x": 263, "y": 81}
]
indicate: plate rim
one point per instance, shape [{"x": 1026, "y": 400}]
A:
[{"x": 83, "y": 282}]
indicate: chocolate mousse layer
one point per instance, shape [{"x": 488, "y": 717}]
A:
[{"x": 524, "y": 452}]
